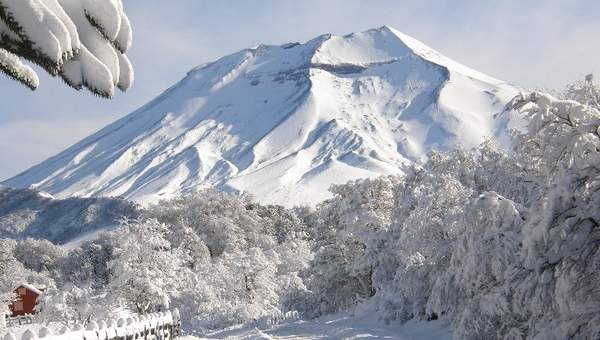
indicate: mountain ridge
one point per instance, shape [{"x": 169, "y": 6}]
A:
[{"x": 284, "y": 122}]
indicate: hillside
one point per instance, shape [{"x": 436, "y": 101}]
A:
[{"x": 28, "y": 213}]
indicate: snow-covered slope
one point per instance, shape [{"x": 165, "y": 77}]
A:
[
  {"x": 285, "y": 122},
  {"x": 29, "y": 213}
]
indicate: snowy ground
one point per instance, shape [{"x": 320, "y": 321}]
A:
[{"x": 336, "y": 327}]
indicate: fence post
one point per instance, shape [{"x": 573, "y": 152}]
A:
[
  {"x": 144, "y": 322},
  {"x": 165, "y": 325},
  {"x": 63, "y": 330},
  {"x": 45, "y": 332},
  {"x": 154, "y": 324},
  {"x": 9, "y": 336},
  {"x": 121, "y": 329},
  {"x": 111, "y": 330},
  {"x": 29, "y": 335},
  {"x": 130, "y": 329},
  {"x": 176, "y": 323},
  {"x": 79, "y": 329},
  {"x": 92, "y": 329},
  {"x": 102, "y": 330}
]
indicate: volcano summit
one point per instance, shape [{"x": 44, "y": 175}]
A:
[{"x": 285, "y": 122}]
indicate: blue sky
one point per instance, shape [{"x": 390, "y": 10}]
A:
[{"x": 535, "y": 44}]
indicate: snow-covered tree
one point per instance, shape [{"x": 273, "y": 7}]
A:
[
  {"x": 13, "y": 273},
  {"x": 74, "y": 305},
  {"x": 503, "y": 246},
  {"x": 486, "y": 168},
  {"x": 283, "y": 223},
  {"x": 245, "y": 259},
  {"x": 428, "y": 207},
  {"x": 585, "y": 92},
  {"x": 532, "y": 272},
  {"x": 483, "y": 259},
  {"x": 223, "y": 222},
  {"x": 88, "y": 264},
  {"x": 39, "y": 255},
  {"x": 10, "y": 269},
  {"x": 252, "y": 290},
  {"x": 82, "y": 41},
  {"x": 561, "y": 237},
  {"x": 220, "y": 259},
  {"x": 146, "y": 269},
  {"x": 349, "y": 232}
]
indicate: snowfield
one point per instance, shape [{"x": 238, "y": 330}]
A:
[
  {"x": 341, "y": 326},
  {"x": 285, "y": 122},
  {"x": 336, "y": 327}
]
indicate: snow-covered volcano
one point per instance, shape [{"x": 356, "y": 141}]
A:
[{"x": 285, "y": 122}]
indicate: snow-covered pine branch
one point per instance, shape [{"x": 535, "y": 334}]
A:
[
  {"x": 14, "y": 68},
  {"x": 82, "y": 41}
]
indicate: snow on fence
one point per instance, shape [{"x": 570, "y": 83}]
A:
[
  {"x": 154, "y": 326},
  {"x": 19, "y": 320},
  {"x": 277, "y": 318}
]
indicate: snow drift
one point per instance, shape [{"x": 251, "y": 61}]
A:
[{"x": 285, "y": 122}]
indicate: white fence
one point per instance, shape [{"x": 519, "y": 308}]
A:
[
  {"x": 277, "y": 318},
  {"x": 19, "y": 320},
  {"x": 154, "y": 326}
]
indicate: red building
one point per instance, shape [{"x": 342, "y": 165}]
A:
[{"x": 27, "y": 296}]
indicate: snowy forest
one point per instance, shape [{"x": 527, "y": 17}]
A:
[{"x": 500, "y": 243}]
